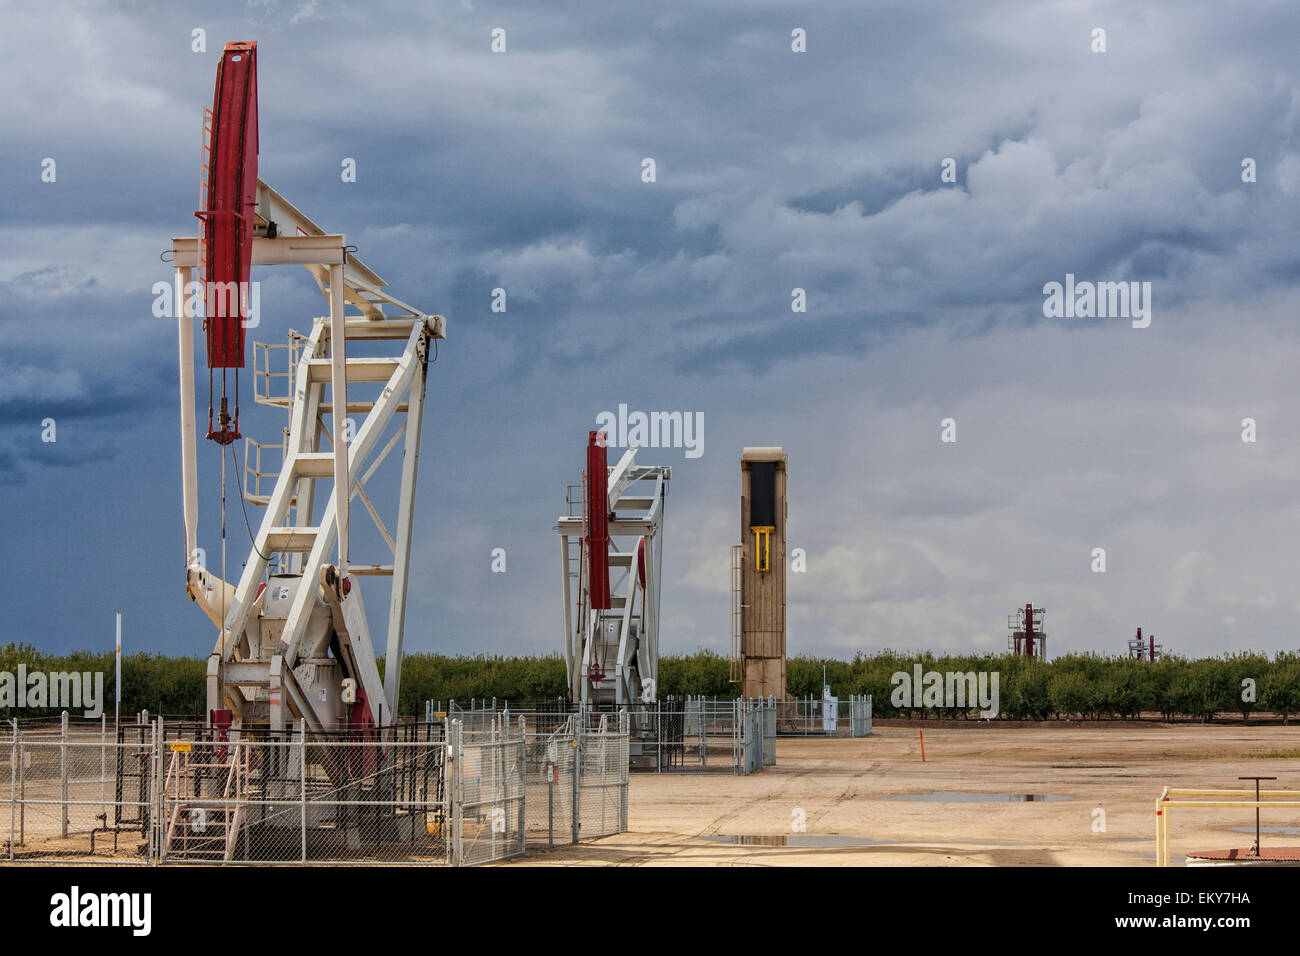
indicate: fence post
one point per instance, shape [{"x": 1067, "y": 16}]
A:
[
  {"x": 737, "y": 733},
  {"x": 747, "y": 738},
  {"x": 449, "y": 791},
  {"x": 150, "y": 791},
  {"x": 659, "y": 736},
  {"x": 458, "y": 794},
  {"x": 160, "y": 745},
  {"x": 744, "y": 736},
  {"x": 13, "y": 785},
  {"x": 552, "y": 770},
  {"x": 577, "y": 780},
  {"x": 156, "y": 802},
  {"x": 771, "y": 703},
  {"x": 103, "y": 767},
  {"x": 702, "y": 729},
  {"x": 624, "y": 729},
  {"x": 521, "y": 783},
  {"x": 63, "y": 775},
  {"x": 302, "y": 786},
  {"x": 453, "y": 790},
  {"x": 22, "y": 786}
]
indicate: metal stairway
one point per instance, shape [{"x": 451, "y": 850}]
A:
[{"x": 203, "y": 827}]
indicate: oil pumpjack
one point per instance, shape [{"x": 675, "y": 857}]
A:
[
  {"x": 293, "y": 642},
  {"x": 611, "y": 628}
]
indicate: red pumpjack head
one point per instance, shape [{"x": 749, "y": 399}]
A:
[
  {"x": 597, "y": 539},
  {"x": 597, "y": 522},
  {"x": 228, "y": 220}
]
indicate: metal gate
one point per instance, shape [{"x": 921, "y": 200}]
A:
[{"x": 752, "y": 733}]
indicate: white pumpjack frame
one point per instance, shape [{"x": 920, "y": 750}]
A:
[
  {"x": 295, "y": 645},
  {"x": 621, "y": 643}
]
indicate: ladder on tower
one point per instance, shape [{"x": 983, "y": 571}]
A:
[{"x": 737, "y": 612}]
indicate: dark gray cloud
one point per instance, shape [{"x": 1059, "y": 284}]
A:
[{"x": 775, "y": 170}]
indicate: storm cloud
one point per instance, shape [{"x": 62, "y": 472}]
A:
[{"x": 775, "y": 171}]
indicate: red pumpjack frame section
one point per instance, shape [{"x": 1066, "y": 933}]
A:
[
  {"x": 596, "y": 514},
  {"x": 597, "y": 522},
  {"x": 228, "y": 221}
]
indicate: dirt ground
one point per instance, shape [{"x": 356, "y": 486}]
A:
[{"x": 842, "y": 788}]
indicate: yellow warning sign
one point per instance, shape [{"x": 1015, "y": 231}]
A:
[{"x": 179, "y": 748}]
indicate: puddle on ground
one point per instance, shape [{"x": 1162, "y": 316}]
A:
[
  {"x": 1286, "y": 831},
  {"x": 1087, "y": 766},
  {"x": 953, "y": 796},
  {"x": 792, "y": 839},
  {"x": 830, "y": 841}
]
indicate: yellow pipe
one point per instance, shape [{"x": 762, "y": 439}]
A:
[
  {"x": 1162, "y": 831},
  {"x": 1240, "y": 804},
  {"x": 1164, "y": 805},
  {"x": 1229, "y": 793},
  {"x": 1165, "y": 842}
]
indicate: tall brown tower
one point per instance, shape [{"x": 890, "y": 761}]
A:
[{"x": 759, "y": 581}]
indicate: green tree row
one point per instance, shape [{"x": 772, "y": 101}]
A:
[
  {"x": 1088, "y": 685},
  {"x": 169, "y": 685}
]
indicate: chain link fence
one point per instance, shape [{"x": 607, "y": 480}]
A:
[
  {"x": 551, "y": 786},
  {"x": 602, "y": 757},
  {"x": 690, "y": 735},
  {"x": 77, "y": 791},
  {"x": 860, "y": 716},
  {"x": 752, "y": 734},
  {"x": 577, "y": 780},
  {"x": 302, "y": 799},
  {"x": 702, "y": 735},
  {"x": 824, "y": 717},
  {"x": 800, "y": 717},
  {"x": 488, "y": 813},
  {"x": 437, "y": 792},
  {"x": 679, "y": 736}
]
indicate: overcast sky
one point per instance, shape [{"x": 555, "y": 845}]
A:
[{"x": 775, "y": 170}]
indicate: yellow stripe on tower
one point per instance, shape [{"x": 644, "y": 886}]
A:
[{"x": 762, "y": 547}]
